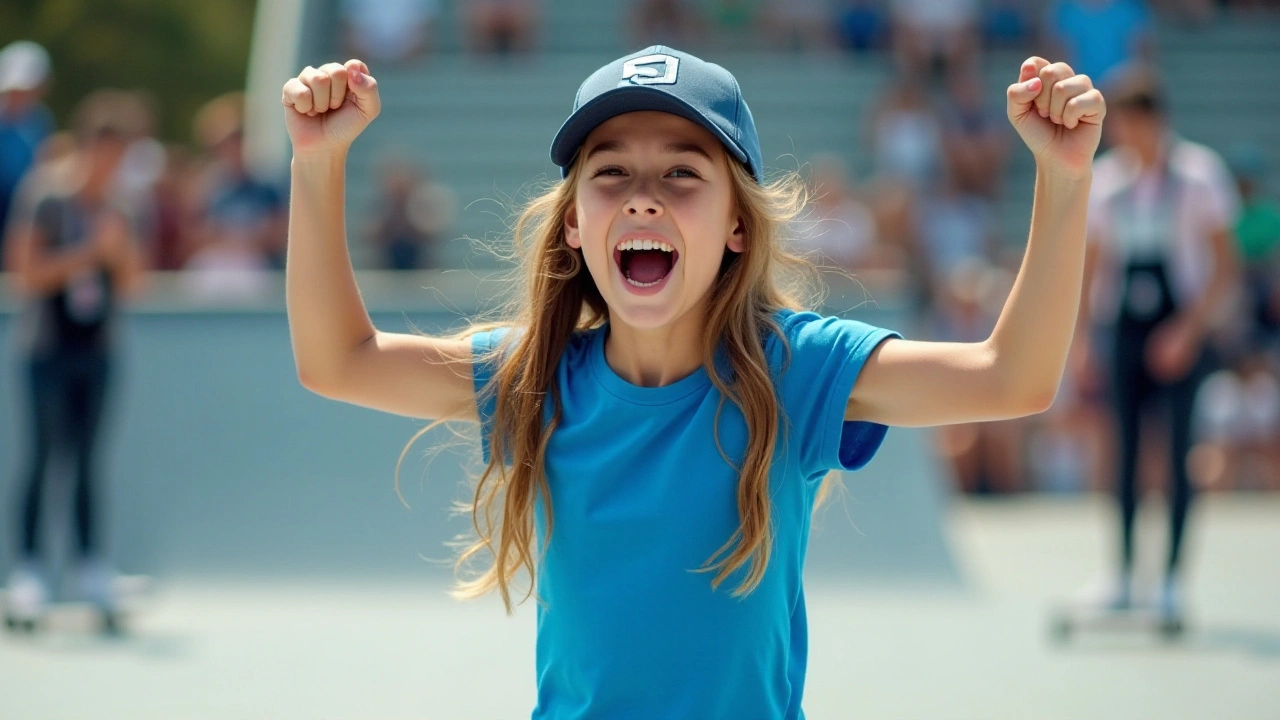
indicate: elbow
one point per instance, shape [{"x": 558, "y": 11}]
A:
[
  {"x": 316, "y": 381},
  {"x": 1042, "y": 400},
  {"x": 1033, "y": 400}
]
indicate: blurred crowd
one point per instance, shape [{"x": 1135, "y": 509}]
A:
[
  {"x": 938, "y": 148},
  {"x": 195, "y": 206}
]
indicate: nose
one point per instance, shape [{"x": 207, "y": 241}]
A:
[{"x": 643, "y": 203}]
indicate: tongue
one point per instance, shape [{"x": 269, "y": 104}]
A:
[{"x": 648, "y": 266}]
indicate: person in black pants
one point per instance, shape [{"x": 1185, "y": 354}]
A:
[
  {"x": 71, "y": 249},
  {"x": 1162, "y": 262}
]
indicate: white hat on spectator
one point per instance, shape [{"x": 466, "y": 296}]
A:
[{"x": 24, "y": 65}]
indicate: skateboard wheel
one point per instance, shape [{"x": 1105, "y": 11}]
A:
[
  {"x": 110, "y": 624},
  {"x": 1061, "y": 630},
  {"x": 20, "y": 625}
]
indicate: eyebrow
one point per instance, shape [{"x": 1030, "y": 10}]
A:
[{"x": 674, "y": 148}]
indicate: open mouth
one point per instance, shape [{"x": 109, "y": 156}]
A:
[{"x": 645, "y": 263}]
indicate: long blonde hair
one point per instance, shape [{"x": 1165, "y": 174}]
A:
[{"x": 557, "y": 297}]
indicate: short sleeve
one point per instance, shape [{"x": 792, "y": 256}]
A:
[
  {"x": 484, "y": 363},
  {"x": 46, "y": 216},
  {"x": 826, "y": 354},
  {"x": 1219, "y": 202},
  {"x": 1106, "y": 177}
]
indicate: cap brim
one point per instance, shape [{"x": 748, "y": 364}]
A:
[{"x": 626, "y": 99}]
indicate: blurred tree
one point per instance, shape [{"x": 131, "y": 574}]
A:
[{"x": 183, "y": 53}]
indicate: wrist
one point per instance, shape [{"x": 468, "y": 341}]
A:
[
  {"x": 320, "y": 159},
  {"x": 1059, "y": 178}
]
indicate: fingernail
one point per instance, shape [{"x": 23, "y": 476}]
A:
[
  {"x": 1032, "y": 84},
  {"x": 356, "y": 76}
]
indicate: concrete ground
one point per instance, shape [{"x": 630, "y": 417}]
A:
[{"x": 327, "y": 649}]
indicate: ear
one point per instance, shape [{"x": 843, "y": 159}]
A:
[
  {"x": 738, "y": 237},
  {"x": 572, "y": 237}
]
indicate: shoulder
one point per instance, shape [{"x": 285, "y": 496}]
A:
[
  {"x": 47, "y": 202},
  {"x": 1198, "y": 163},
  {"x": 492, "y": 342},
  {"x": 1112, "y": 169},
  {"x": 809, "y": 337},
  {"x": 487, "y": 340}
]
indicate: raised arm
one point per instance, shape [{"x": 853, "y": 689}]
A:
[
  {"x": 1016, "y": 371},
  {"x": 338, "y": 352}
]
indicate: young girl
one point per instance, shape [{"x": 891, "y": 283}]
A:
[{"x": 659, "y": 420}]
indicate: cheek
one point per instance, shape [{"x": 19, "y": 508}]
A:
[{"x": 705, "y": 244}]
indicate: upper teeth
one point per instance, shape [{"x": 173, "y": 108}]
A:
[{"x": 645, "y": 245}]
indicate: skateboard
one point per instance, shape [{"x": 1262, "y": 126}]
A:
[
  {"x": 67, "y": 611},
  {"x": 1069, "y": 621}
]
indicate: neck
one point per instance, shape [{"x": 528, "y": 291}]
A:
[
  {"x": 1152, "y": 154},
  {"x": 653, "y": 357}
]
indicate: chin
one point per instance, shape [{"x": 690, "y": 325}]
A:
[{"x": 642, "y": 317}]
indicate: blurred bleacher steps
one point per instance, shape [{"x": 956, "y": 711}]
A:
[{"x": 483, "y": 126}]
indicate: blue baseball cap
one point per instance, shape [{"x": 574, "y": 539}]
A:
[{"x": 666, "y": 80}]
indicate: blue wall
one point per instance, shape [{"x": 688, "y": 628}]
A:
[{"x": 219, "y": 463}]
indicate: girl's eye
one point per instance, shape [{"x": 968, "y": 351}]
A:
[
  {"x": 607, "y": 170},
  {"x": 684, "y": 173}
]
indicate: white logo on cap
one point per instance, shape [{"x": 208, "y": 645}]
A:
[{"x": 651, "y": 70}]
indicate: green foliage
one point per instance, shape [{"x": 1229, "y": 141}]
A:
[{"x": 183, "y": 52}]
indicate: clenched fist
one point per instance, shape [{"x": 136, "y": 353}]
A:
[
  {"x": 326, "y": 108},
  {"x": 1058, "y": 114}
]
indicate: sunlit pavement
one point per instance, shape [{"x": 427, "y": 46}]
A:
[{"x": 316, "y": 649}]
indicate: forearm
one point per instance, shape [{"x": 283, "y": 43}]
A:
[
  {"x": 46, "y": 273},
  {"x": 1033, "y": 335},
  {"x": 1201, "y": 312},
  {"x": 327, "y": 318},
  {"x": 129, "y": 271}
]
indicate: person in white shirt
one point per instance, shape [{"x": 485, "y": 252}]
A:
[{"x": 1163, "y": 265}]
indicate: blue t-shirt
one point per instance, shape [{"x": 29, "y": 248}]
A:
[{"x": 641, "y": 497}]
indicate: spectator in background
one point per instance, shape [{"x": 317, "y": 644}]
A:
[
  {"x": 176, "y": 200},
  {"x": 974, "y": 139},
  {"x": 1162, "y": 263},
  {"x": 1095, "y": 37},
  {"x": 1009, "y": 23},
  {"x": 24, "y": 120},
  {"x": 932, "y": 38},
  {"x": 861, "y": 25},
  {"x": 1238, "y": 407},
  {"x": 240, "y": 220},
  {"x": 905, "y": 135},
  {"x": 985, "y": 458},
  {"x": 1258, "y": 235},
  {"x": 73, "y": 252},
  {"x": 735, "y": 22},
  {"x": 842, "y": 230},
  {"x": 1238, "y": 418},
  {"x": 393, "y": 31},
  {"x": 798, "y": 25},
  {"x": 413, "y": 216},
  {"x": 142, "y": 166},
  {"x": 953, "y": 229},
  {"x": 676, "y": 23},
  {"x": 502, "y": 27}
]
